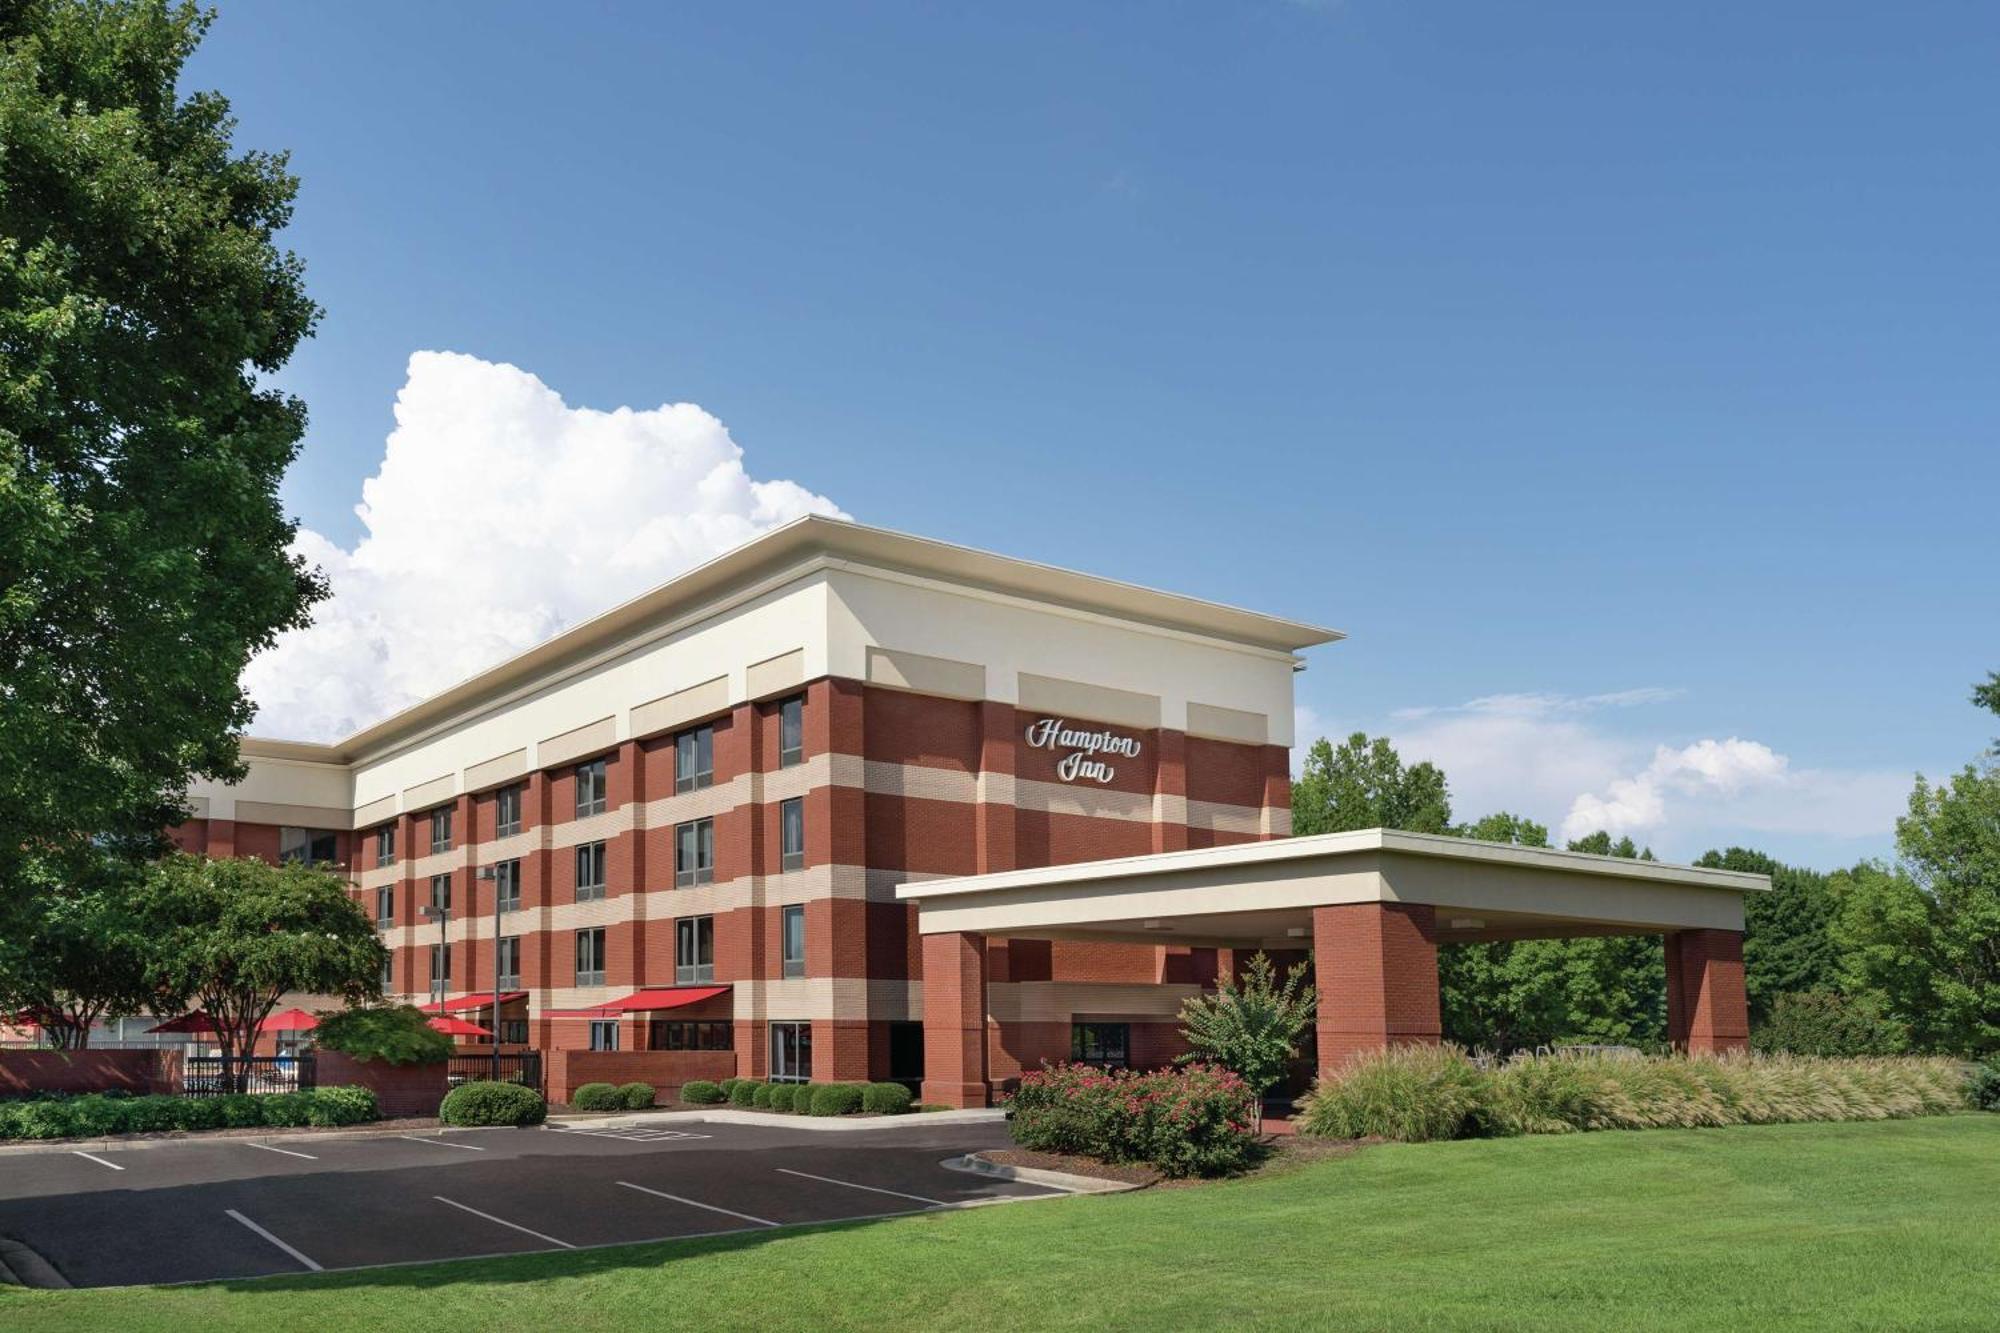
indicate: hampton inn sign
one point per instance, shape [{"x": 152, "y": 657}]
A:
[
  {"x": 1055, "y": 733},
  {"x": 849, "y": 804}
]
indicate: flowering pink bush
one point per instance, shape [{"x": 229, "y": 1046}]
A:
[{"x": 1198, "y": 1120}]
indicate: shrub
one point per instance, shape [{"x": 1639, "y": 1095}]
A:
[
  {"x": 239, "y": 1110},
  {"x": 152, "y": 1115},
  {"x": 1197, "y": 1120},
  {"x": 1411, "y": 1093},
  {"x": 835, "y": 1098},
  {"x": 728, "y": 1085},
  {"x": 44, "y": 1120},
  {"x": 760, "y": 1096},
  {"x": 596, "y": 1097},
  {"x": 744, "y": 1093},
  {"x": 784, "y": 1097},
  {"x": 636, "y": 1096},
  {"x": 199, "y": 1112},
  {"x": 886, "y": 1098},
  {"x": 286, "y": 1109},
  {"x": 701, "y": 1092},
  {"x": 336, "y": 1106},
  {"x": 398, "y": 1034},
  {"x": 1984, "y": 1087},
  {"x": 1827, "y": 1023},
  {"x": 486, "y": 1103},
  {"x": 1418, "y": 1093},
  {"x": 94, "y": 1114}
]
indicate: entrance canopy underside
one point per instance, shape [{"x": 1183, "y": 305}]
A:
[{"x": 1262, "y": 894}]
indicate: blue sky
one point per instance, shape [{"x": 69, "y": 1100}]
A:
[{"x": 1628, "y": 369}]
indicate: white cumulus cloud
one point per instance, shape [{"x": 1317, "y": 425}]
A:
[
  {"x": 499, "y": 516},
  {"x": 1705, "y": 768}
]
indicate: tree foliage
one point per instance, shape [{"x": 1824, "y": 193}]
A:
[
  {"x": 397, "y": 1034},
  {"x": 1788, "y": 944},
  {"x": 74, "y": 954},
  {"x": 1251, "y": 1024},
  {"x": 1925, "y": 934},
  {"x": 230, "y": 937},
  {"x": 1364, "y": 784},
  {"x": 143, "y": 551}
]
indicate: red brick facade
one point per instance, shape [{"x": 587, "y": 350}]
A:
[{"x": 1707, "y": 1007}]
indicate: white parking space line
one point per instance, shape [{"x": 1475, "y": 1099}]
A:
[
  {"x": 726, "y": 1212},
  {"x": 829, "y": 1180},
  {"x": 286, "y": 1151},
  {"x": 99, "y": 1160},
  {"x": 441, "y": 1143},
  {"x": 308, "y": 1262},
  {"x": 512, "y": 1226}
]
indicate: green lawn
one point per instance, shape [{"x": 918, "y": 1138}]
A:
[{"x": 1795, "y": 1226}]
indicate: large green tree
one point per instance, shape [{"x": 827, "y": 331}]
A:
[
  {"x": 143, "y": 551},
  {"x": 232, "y": 937},
  {"x": 1364, "y": 784},
  {"x": 74, "y": 953},
  {"x": 1924, "y": 934}
]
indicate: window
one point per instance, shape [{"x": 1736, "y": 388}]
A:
[
  {"x": 311, "y": 845},
  {"x": 507, "y": 883},
  {"x": 441, "y": 892},
  {"x": 792, "y": 925},
  {"x": 791, "y": 1052},
  {"x": 694, "y": 759},
  {"x": 385, "y": 845},
  {"x": 590, "y": 788},
  {"x": 589, "y": 871},
  {"x": 507, "y": 812},
  {"x": 440, "y": 967},
  {"x": 694, "y": 949},
  {"x": 1100, "y": 1043},
  {"x": 513, "y": 1032},
  {"x": 441, "y": 829},
  {"x": 604, "y": 1034},
  {"x": 510, "y": 962},
  {"x": 792, "y": 834},
  {"x": 388, "y": 975},
  {"x": 590, "y": 957},
  {"x": 791, "y": 732},
  {"x": 680, "y": 1034},
  {"x": 694, "y": 853},
  {"x": 385, "y": 905}
]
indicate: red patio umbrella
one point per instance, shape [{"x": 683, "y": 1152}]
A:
[
  {"x": 458, "y": 1027},
  {"x": 291, "y": 1020}
]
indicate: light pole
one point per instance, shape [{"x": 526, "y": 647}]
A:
[{"x": 491, "y": 875}]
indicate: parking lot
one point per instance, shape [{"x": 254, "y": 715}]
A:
[{"x": 190, "y": 1210}]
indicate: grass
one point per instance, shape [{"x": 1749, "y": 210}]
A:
[{"x": 1816, "y": 1226}]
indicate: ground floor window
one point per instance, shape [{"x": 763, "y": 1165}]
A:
[
  {"x": 680, "y": 1034},
  {"x": 604, "y": 1035},
  {"x": 514, "y": 1032},
  {"x": 791, "y": 1052},
  {"x": 1101, "y": 1043}
]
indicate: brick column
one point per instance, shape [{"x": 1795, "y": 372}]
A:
[
  {"x": 1376, "y": 968},
  {"x": 1707, "y": 1008},
  {"x": 955, "y": 1020},
  {"x": 993, "y": 845}
]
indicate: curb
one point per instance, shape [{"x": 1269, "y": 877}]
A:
[
  {"x": 973, "y": 1164},
  {"x": 22, "y": 1267},
  {"x": 774, "y": 1120},
  {"x": 276, "y": 1140}
]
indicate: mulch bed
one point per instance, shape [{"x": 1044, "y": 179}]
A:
[{"x": 1285, "y": 1152}]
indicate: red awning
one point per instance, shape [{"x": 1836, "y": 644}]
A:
[
  {"x": 645, "y": 1001},
  {"x": 471, "y": 1002}
]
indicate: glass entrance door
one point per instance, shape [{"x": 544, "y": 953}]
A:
[{"x": 791, "y": 1052}]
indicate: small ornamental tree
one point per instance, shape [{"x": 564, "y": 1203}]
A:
[
  {"x": 1252, "y": 1024},
  {"x": 231, "y": 937}
]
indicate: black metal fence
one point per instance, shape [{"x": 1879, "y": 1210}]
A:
[
  {"x": 524, "y": 1068},
  {"x": 212, "y": 1076}
]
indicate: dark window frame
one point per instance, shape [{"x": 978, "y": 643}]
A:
[
  {"x": 592, "y": 788},
  {"x": 690, "y": 1034},
  {"x": 792, "y": 966},
  {"x": 508, "y": 980},
  {"x": 311, "y": 846},
  {"x": 792, "y": 731},
  {"x": 507, "y": 811},
  {"x": 590, "y": 872},
  {"x": 694, "y": 936},
  {"x": 589, "y": 946},
  {"x": 1090, "y": 1044},
  {"x": 697, "y": 865},
  {"x": 792, "y": 833},
  {"x": 441, "y": 832},
  {"x": 443, "y": 899},
  {"x": 694, "y": 758},
  {"x": 385, "y": 845},
  {"x": 385, "y": 905}
]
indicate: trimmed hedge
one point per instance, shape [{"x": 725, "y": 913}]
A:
[
  {"x": 784, "y": 1097},
  {"x": 1197, "y": 1120},
  {"x": 744, "y": 1093},
  {"x": 836, "y": 1098},
  {"x": 596, "y": 1097},
  {"x": 701, "y": 1092},
  {"x": 728, "y": 1085},
  {"x": 886, "y": 1098},
  {"x": 1414, "y": 1093},
  {"x": 95, "y": 1115},
  {"x": 760, "y": 1097},
  {"x": 636, "y": 1096},
  {"x": 486, "y": 1103}
]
